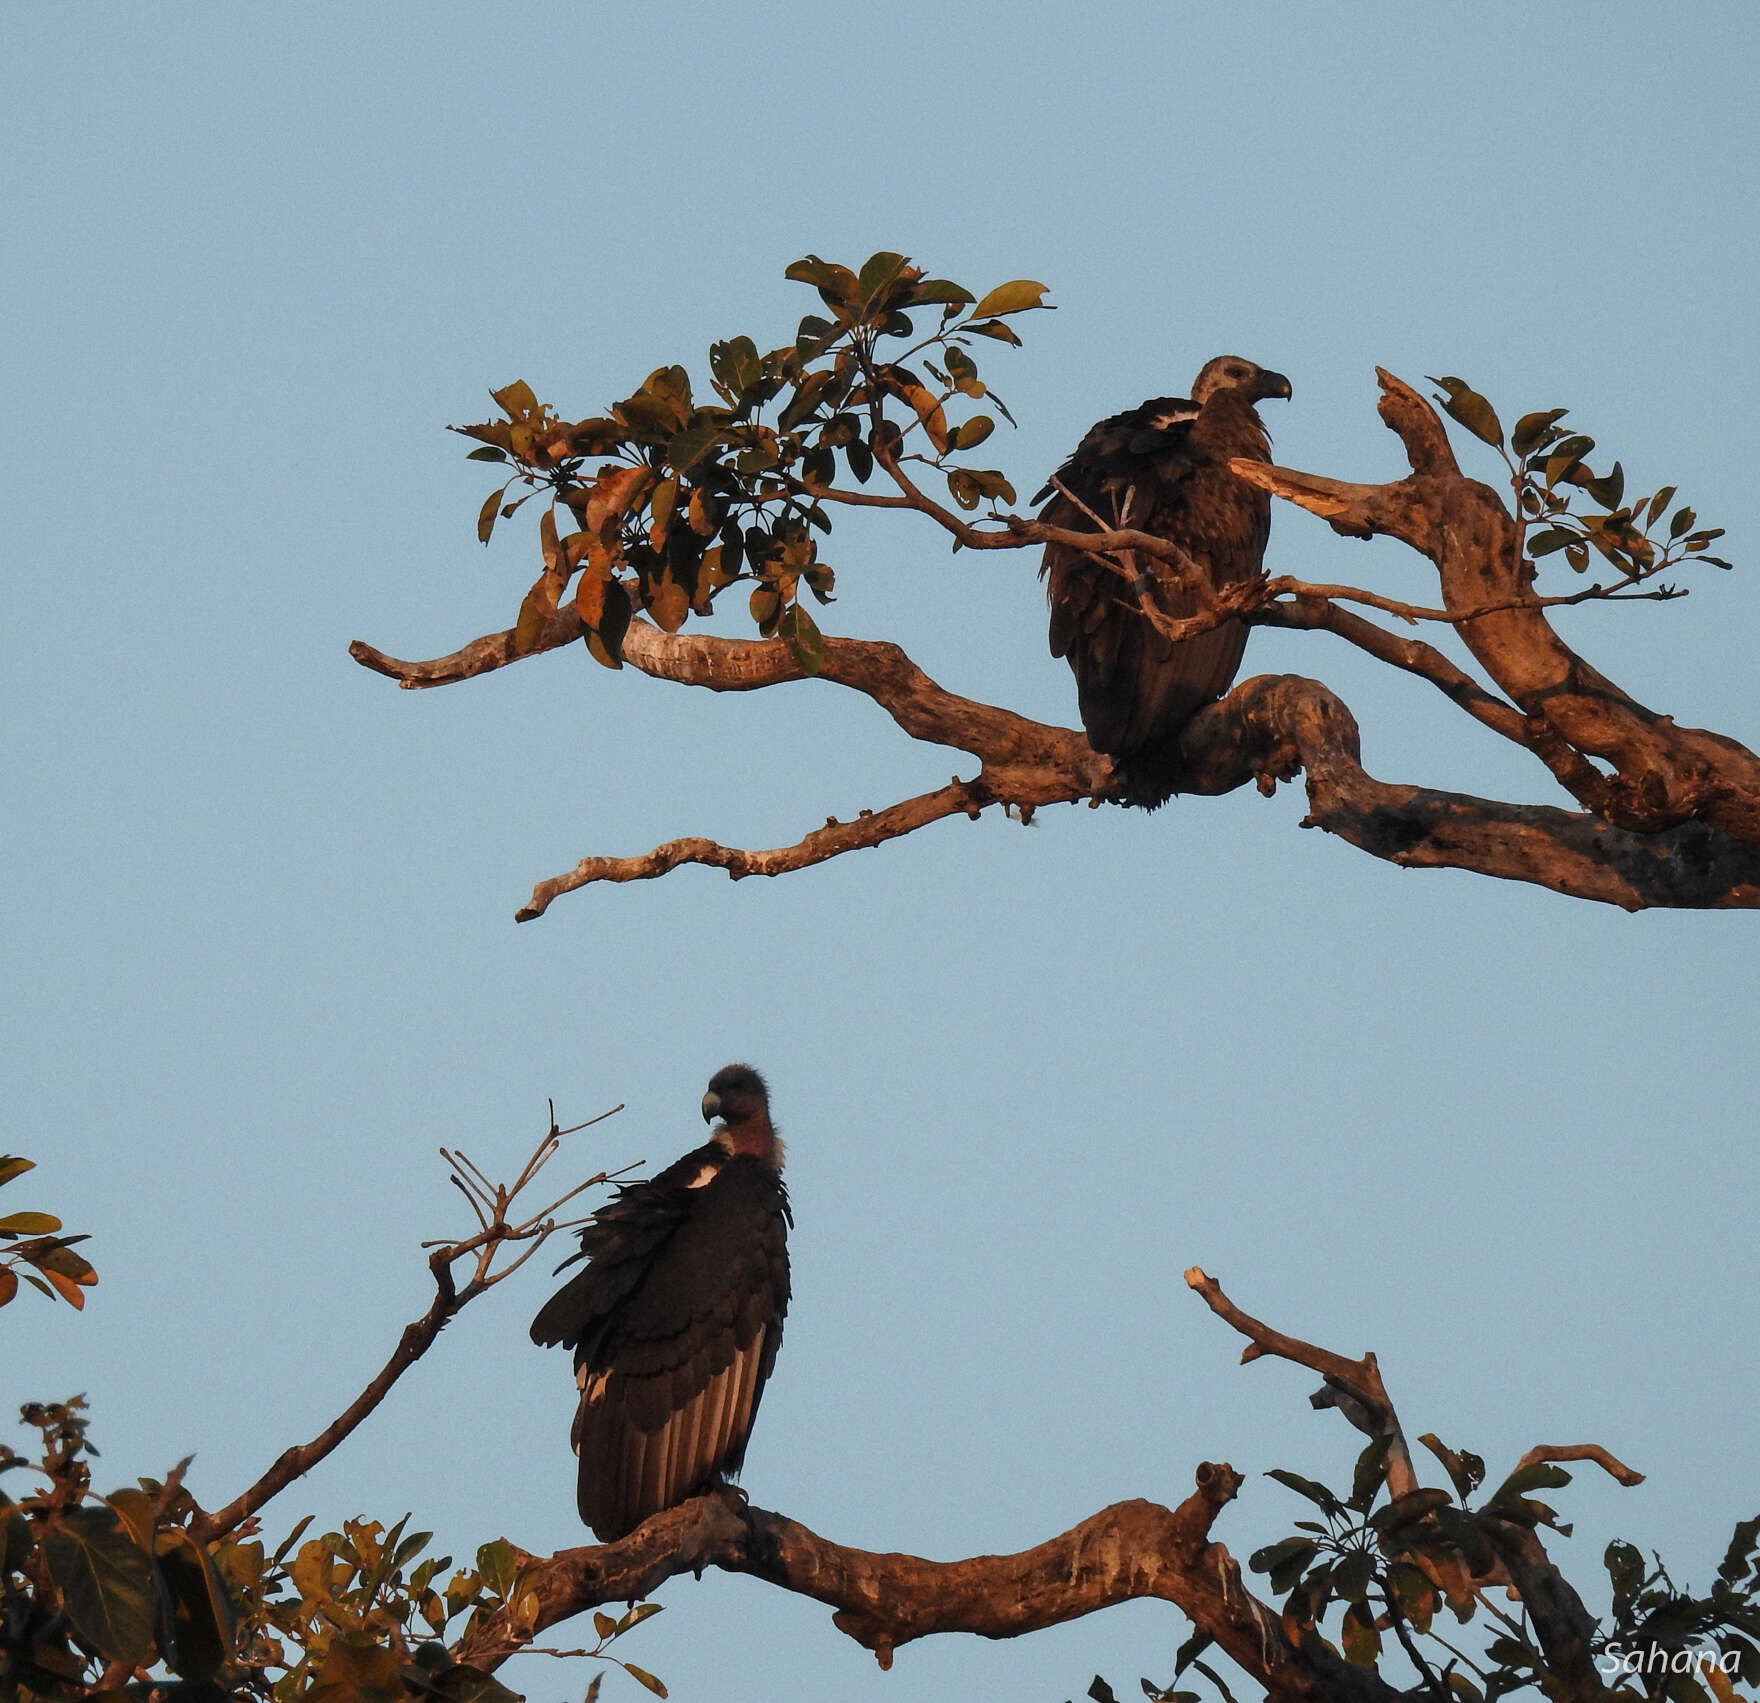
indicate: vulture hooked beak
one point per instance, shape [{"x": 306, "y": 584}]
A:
[
  {"x": 711, "y": 1106},
  {"x": 1272, "y": 385}
]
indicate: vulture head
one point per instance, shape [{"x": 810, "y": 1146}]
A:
[
  {"x": 736, "y": 1093},
  {"x": 1231, "y": 372}
]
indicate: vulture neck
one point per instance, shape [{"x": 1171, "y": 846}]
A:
[
  {"x": 1229, "y": 422},
  {"x": 753, "y": 1136}
]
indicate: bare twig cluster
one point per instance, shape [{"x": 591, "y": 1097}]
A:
[{"x": 498, "y": 1229}]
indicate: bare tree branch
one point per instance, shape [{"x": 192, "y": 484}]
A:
[
  {"x": 1130, "y": 1550},
  {"x": 498, "y": 1231},
  {"x": 1355, "y": 1385},
  {"x": 1614, "y": 1468},
  {"x": 1664, "y": 775}
]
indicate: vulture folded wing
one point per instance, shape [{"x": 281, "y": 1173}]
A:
[
  {"x": 672, "y": 1376},
  {"x": 1161, "y": 469}
]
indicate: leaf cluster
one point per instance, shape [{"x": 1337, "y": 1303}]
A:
[
  {"x": 115, "y": 1598},
  {"x": 1653, "y": 1621},
  {"x": 671, "y": 498},
  {"x": 1577, "y": 512},
  {"x": 1389, "y": 1566},
  {"x": 31, "y": 1247}
]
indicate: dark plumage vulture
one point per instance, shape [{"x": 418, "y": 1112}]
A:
[
  {"x": 676, "y": 1319},
  {"x": 1163, "y": 469}
]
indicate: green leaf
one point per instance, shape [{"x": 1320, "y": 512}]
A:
[
  {"x": 928, "y": 290},
  {"x": 861, "y": 461},
  {"x": 462, "y": 1683},
  {"x": 1014, "y": 297},
  {"x": 1370, "y": 1474},
  {"x": 994, "y": 328},
  {"x": 605, "y": 645},
  {"x": 805, "y": 399},
  {"x": 879, "y": 273},
  {"x": 1532, "y": 430},
  {"x": 516, "y": 400},
  {"x": 1608, "y": 489},
  {"x": 692, "y": 445},
  {"x": 486, "y": 516},
  {"x": 1101, "y": 1692},
  {"x": 735, "y": 363},
  {"x": 29, "y": 1224},
  {"x": 804, "y": 638},
  {"x": 1352, "y": 1576},
  {"x": 1315, "y": 1493},
  {"x": 105, "y": 1582},
  {"x": 1743, "y": 1544},
  {"x": 1464, "y": 404},
  {"x": 972, "y": 433},
  {"x": 1362, "y": 1643},
  {"x": 642, "y": 1677},
  {"x": 1625, "y": 1572},
  {"x": 1548, "y": 539},
  {"x": 1466, "y": 1470},
  {"x": 1190, "y": 1650},
  {"x": 16, "y": 1541},
  {"x": 1682, "y": 522},
  {"x": 203, "y": 1624},
  {"x": 963, "y": 488},
  {"x": 1540, "y": 1475},
  {"x": 836, "y": 284},
  {"x": 1658, "y": 503}
]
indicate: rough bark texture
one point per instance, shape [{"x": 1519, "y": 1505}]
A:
[
  {"x": 1130, "y": 1550},
  {"x": 1669, "y": 816}
]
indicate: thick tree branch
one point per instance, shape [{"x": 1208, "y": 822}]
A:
[
  {"x": 1128, "y": 1551},
  {"x": 1664, "y": 776},
  {"x": 1271, "y": 728}
]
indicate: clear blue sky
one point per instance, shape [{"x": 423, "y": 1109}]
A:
[{"x": 257, "y": 903}]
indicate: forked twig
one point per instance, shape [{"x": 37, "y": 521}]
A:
[{"x": 491, "y": 1203}]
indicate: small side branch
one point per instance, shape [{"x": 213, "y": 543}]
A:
[
  {"x": 1353, "y": 1386},
  {"x": 498, "y": 1230},
  {"x": 870, "y": 828},
  {"x": 1613, "y": 1467}
]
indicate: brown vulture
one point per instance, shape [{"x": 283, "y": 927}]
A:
[
  {"x": 1163, "y": 469},
  {"x": 676, "y": 1319}
]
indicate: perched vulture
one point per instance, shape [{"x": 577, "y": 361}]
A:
[
  {"x": 676, "y": 1319},
  {"x": 1162, "y": 469}
]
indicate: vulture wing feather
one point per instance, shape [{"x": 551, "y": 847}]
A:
[{"x": 1161, "y": 468}]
